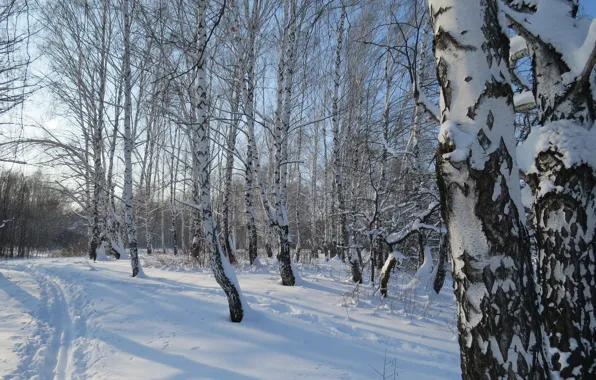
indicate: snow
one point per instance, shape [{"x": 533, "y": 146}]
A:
[
  {"x": 461, "y": 135},
  {"x": 415, "y": 225},
  {"x": 121, "y": 251},
  {"x": 73, "y": 319},
  {"x": 527, "y": 196},
  {"x": 428, "y": 105},
  {"x": 575, "y": 39},
  {"x": 424, "y": 276},
  {"x": 572, "y": 141},
  {"x": 524, "y": 101},
  {"x": 101, "y": 252},
  {"x": 517, "y": 48}
]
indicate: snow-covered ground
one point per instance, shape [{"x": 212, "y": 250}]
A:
[{"x": 72, "y": 319}]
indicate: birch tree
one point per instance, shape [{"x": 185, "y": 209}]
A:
[
  {"x": 558, "y": 163},
  {"x": 127, "y": 192},
  {"x": 79, "y": 43},
  {"x": 338, "y": 179},
  {"x": 498, "y": 331}
]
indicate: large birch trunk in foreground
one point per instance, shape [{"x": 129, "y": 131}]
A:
[
  {"x": 478, "y": 179},
  {"x": 565, "y": 225}
]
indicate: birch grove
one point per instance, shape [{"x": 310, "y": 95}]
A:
[{"x": 448, "y": 140}]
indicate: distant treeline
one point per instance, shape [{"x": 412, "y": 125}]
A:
[{"x": 35, "y": 217}]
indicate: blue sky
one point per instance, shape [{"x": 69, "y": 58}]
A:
[{"x": 590, "y": 7}]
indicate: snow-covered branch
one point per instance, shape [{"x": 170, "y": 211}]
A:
[
  {"x": 574, "y": 39},
  {"x": 415, "y": 225},
  {"x": 429, "y": 107},
  {"x": 524, "y": 101}
]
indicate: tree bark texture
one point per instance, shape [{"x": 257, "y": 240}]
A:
[{"x": 499, "y": 333}]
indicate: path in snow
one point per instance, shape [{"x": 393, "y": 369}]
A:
[
  {"x": 93, "y": 321},
  {"x": 46, "y": 352}
]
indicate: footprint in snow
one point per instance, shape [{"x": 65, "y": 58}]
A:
[{"x": 280, "y": 308}]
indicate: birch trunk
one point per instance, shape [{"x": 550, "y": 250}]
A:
[
  {"x": 564, "y": 204},
  {"x": 341, "y": 204},
  {"x": 222, "y": 270},
  {"x": 127, "y": 195},
  {"x": 498, "y": 331},
  {"x": 250, "y": 120},
  {"x": 314, "y": 242},
  {"x": 174, "y": 165},
  {"x": 98, "y": 222},
  {"x": 235, "y": 96}
]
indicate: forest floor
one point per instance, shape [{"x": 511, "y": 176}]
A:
[{"x": 73, "y": 319}]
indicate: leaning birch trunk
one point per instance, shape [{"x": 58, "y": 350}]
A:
[
  {"x": 222, "y": 270},
  {"x": 498, "y": 331},
  {"x": 114, "y": 221},
  {"x": 127, "y": 195},
  {"x": 341, "y": 204}
]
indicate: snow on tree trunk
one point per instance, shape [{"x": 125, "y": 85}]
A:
[
  {"x": 425, "y": 274},
  {"x": 557, "y": 158},
  {"x": 478, "y": 179},
  {"x": 279, "y": 215},
  {"x": 127, "y": 195},
  {"x": 390, "y": 263},
  {"x": 565, "y": 216},
  {"x": 222, "y": 270}
]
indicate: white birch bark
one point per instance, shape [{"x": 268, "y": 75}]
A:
[
  {"x": 222, "y": 270},
  {"x": 127, "y": 192},
  {"x": 498, "y": 331},
  {"x": 337, "y": 165},
  {"x": 564, "y": 189}
]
